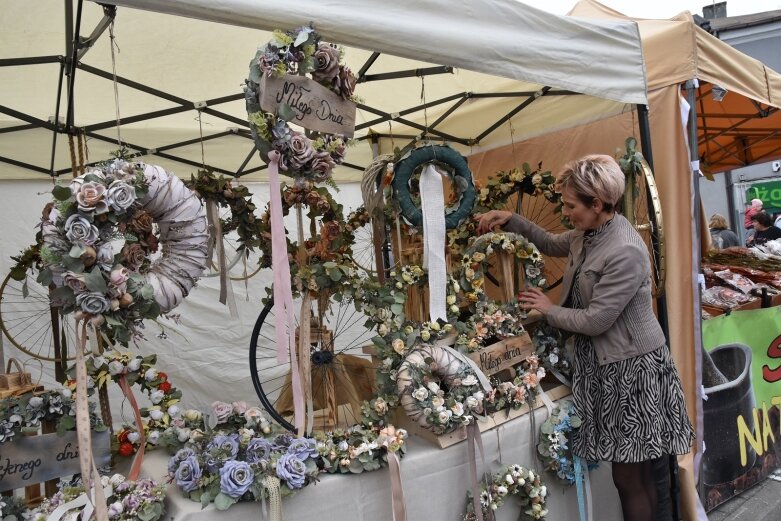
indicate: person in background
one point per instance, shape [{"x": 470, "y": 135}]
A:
[
  {"x": 764, "y": 230},
  {"x": 751, "y": 211},
  {"x": 722, "y": 236},
  {"x": 625, "y": 384}
]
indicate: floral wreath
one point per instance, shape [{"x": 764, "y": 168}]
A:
[
  {"x": 454, "y": 162},
  {"x": 522, "y": 390},
  {"x": 140, "y": 371},
  {"x": 497, "y": 192},
  {"x": 129, "y": 500},
  {"x": 492, "y": 321},
  {"x": 118, "y": 290},
  {"x": 217, "y": 188},
  {"x": 26, "y": 412},
  {"x": 473, "y": 262},
  {"x": 554, "y": 446},
  {"x": 300, "y": 51},
  {"x": 243, "y": 459},
  {"x": 550, "y": 349},
  {"x": 438, "y": 390},
  {"x": 512, "y": 480}
]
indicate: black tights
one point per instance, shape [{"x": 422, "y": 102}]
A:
[{"x": 637, "y": 490}]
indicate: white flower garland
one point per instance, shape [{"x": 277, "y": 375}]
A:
[{"x": 512, "y": 480}]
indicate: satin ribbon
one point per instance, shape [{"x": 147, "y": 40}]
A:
[
  {"x": 283, "y": 298},
  {"x": 481, "y": 377},
  {"x": 432, "y": 204},
  {"x": 397, "y": 490},
  {"x": 474, "y": 437},
  {"x": 135, "y": 469},
  {"x": 304, "y": 346},
  {"x": 89, "y": 473},
  {"x": 579, "y": 486},
  {"x": 81, "y": 501},
  {"x": 589, "y": 499},
  {"x": 216, "y": 242}
]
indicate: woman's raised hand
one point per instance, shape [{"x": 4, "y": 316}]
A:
[{"x": 489, "y": 220}]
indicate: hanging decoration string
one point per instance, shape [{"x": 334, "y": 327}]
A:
[{"x": 116, "y": 84}]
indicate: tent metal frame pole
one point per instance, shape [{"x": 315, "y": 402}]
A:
[
  {"x": 22, "y": 164},
  {"x": 542, "y": 92},
  {"x": 85, "y": 44},
  {"x": 413, "y": 124},
  {"x": 56, "y": 118},
  {"x": 661, "y": 306},
  {"x": 32, "y": 60},
  {"x": 367, "y": 65},
  {"x": 69, "y": 120},
  {"x": 410, "y": 110},
  {"x": 412, "y": 73}
]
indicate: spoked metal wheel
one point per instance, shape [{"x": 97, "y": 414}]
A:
[
  {"x": 363, "y": 252},
  {"x": 340, "y": 372},
  {"x": 643, "y": 208},
  {"x": 30, "y": 323}
]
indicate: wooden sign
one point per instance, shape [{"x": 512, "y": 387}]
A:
[
  {"x": 34, "y": 459},
  {"x": 315, "y": 107},
  {"x": 503, "y": 354}
]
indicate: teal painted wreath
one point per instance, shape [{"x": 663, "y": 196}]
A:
[{"x": 458, "y": 169}]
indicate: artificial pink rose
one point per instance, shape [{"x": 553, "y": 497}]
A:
[
  {"x": 118, "y": 281},
  {"x": 240, "y": 407},
  {"x": 326, "y": 62},
  {"x": 90, "y": 198},
  {"x": 301, "y": 151},
  {"x": 344, "y": 83},
  {"x": 322, "y": 165},
  {"x": 75, "y": 281},
  {"x": 222, "y": 411}
]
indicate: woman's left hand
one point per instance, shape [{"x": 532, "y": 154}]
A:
[{"x": 534, "y": 298}]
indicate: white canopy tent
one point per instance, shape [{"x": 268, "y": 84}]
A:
[{"x": 503, "y": 55}]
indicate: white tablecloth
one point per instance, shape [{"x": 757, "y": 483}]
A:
[{"x": 435, "y": 482}]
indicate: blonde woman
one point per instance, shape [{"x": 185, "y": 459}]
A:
[
  {"x": 625, "y": 385},
  {"x": 720, "y": 233}
]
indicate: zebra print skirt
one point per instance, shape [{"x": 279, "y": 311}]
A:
[{"x": 632, "y": 410}]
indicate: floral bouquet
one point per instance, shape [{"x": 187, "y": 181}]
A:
[
  {"x": 25, "y": 413},
  {"x": 550, "y": 349},
  {"x": 360, "y": 448},
  {"x": 140, "y": 500},
  {"x": 554, "y": 445},
  {"x": 300, "y": 51},
  {"x": 490, "y": 323},
  {"x": 227, "y": 467},
  {"x": 523, "y": 389},
  {"x": 512, "y": 480},
  {"x": 80, "y": 232}
]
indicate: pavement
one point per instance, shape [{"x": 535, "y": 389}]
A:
[{"x": 762, "y": 502}]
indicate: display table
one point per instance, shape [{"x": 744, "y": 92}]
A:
[{"x": 435, "y": 482}]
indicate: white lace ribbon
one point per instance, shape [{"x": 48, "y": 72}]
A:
[{"x": 432, "y": 204}]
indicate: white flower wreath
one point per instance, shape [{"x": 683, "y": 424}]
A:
[{"x": 438, "y": 390}]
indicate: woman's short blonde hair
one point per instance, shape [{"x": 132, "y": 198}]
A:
[
  {"x": 593, "y": 177},
  {"x": 718, "y": 222}
]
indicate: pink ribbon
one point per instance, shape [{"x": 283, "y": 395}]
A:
[
  {"x": 135, "y": 470},
  {"x": 283, "y": 297}
]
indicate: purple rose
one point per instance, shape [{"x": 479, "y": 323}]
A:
[
  {"x": 90, "y": 198},
  {"x": 228, "y": 444},
  {"x": 75, "y": 281},
  {"x": 80, "y": 230},
  {"x": 303, "y": 448},
  {"x": 258, "y": 449},
  {"x": 131, "y": 502},
  {"x": 282, "y": 441},
  {"x": 322, "y": 165},
  {"x": 326, "y": 62},
  {"x": 93, "y": 303},
  {"x": 292, "y": 470},
  {"x": 176, "y": 459},
  {"x": 188, "y": 474},
  {"x": 236, "y": 478}
]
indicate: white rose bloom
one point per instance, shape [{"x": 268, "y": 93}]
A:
[
  {"x": 509, "y": 479},
  {"x": 116, "y": 479},
  {"x": 98, "y": 361},
  {"x": 156, "y": 396},
  {"x": 133, "y": 437},
  {"x": 479, "y": 396},
  {"x": 134, "y": 364},
  {"x": 156, "y": 414},
  {"x": 151, "y": 374},
  {"x": 420, "y": 394},
  {"x": 501, "y": 490},
  {"x": 433, "y": 387},
  {"x": 174, "y": 410},
  {"x": 65, "y": 393},
  {"x": 543, "y": 491},
  {"x": 437, "y": 401},
  {"x": 471, "y": 402},
  {"x": 116, "y": 367},
  {"x": 458, "y": 408},
  {"x": 153, "y": 437},
  {"x": 183, "y": 435},
  {"x": 541, "y": 373},
  {"x": 443, "y": 416},
  {"x": 469, "y": 380}
]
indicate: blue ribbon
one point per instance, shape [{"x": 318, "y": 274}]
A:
[{"x": 579, "y": 478}]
